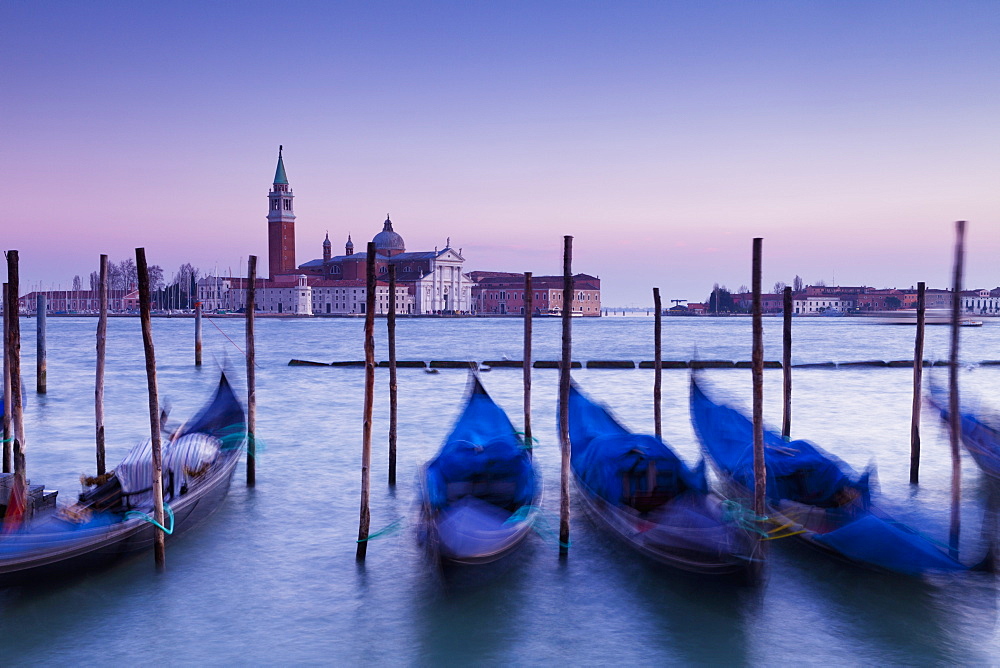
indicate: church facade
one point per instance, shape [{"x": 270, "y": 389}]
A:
[{"x": 427, "y": 282}]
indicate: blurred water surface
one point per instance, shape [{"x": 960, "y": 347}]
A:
[{"x": 271, "y": 577}]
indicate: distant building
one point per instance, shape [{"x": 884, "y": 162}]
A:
[{"x": 502, "y": 293}]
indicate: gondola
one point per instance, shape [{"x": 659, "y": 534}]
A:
[
  {"x": 980, "y": 432},
  {"x": 640, "y": 491},
  {"x": 480, "y": 493},
  {"x": 812, "y": 495},
  {"x": 111, "y": 519}
]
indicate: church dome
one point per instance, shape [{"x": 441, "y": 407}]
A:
[{"x": 388, "y": 242}]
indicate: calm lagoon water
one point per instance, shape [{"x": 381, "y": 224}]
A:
[{"x": 271, "y": 577}]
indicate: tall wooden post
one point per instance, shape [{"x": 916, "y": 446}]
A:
[
  {"x": 391, "y": 326},
  {"x": 366, "y": 430},
  {"x": 954, "y": 417},
  {"x": 918, "y": 370},
  {"x": 197, "y": 333},
  {"x": 14, "y": 358},
  {"x": 564, "y": 382},
  {"x": 759, "y": 474},
  {"x": 251, "y": 307},
  {"x": 657, "y": 362},
  {"x": 102, "y": 347},
  {"x": 786, "y": 365},
  {"x": 159, "y": 552},
  {"x": 41, "y": 372},
  {"x": 7, "y": 431},
  {"x": 529, "y": 306}
]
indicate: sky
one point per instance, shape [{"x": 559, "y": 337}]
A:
[{"x": 664, "y": 136}]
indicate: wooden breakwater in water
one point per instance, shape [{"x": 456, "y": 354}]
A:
[{"x": 632, "y": 364}]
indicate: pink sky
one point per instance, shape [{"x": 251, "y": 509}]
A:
[{"x": 663, "y": 136}]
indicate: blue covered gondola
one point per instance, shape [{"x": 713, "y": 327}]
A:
[
  {"x": 813, "y": 495},
  {"x": 480, "y": 493},
  {"x": 638, "y": 489}
]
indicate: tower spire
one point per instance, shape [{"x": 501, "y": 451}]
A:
[{"x": 279, "y": 174}]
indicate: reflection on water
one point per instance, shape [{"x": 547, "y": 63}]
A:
[{"x": 272, "y": 576}]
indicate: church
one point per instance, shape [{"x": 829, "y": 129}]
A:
[{"x": 427, "y": 282}]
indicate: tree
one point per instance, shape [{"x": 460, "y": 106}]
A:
[
  {"x": 129, "y": 275},
  {"x": 797, "y": 284},
  {"x": 95, "y": 281},
  {"x": 820, "y": 284},
  {"x": 77, "y": 283},
  {"x": 779, "y": 287},
  {"x": 743, "y": 290},
  {"x": 155, "y": 273},
  {"x": 892, "y": 303},
  {"x": 721, "y": 300}
]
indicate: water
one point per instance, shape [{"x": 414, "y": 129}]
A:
[{"x": 271, "y": 577}]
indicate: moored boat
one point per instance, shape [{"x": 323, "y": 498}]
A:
[
  {"x": 813, "y": 496},
  {"x": 480, "y": 493},
  {"x": 980, "y": 432},
  {"x": 111, "y": 520},
  {"x": 640, "y": 491}
]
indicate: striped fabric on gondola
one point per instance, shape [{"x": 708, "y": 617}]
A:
[{"x": 183, "y": 460}]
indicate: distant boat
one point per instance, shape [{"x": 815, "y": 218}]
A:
[
  {"x": 556, "y": 312},
  {"x": 813, "y": 496},
  {"x": 480, "y": 494},
  {"x": 111, "y": 520},
  {"x": 641, "y": 492}
]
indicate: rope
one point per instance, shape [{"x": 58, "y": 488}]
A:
[
  {"x": 170, "y": 513},
  {"x": 540, "y": 526},
  {"x": 745, "y": 518},
  {"x": 525, "y": 445},
  {"x": 382, "y": 533},
  {"x": 231, "y": 341}
]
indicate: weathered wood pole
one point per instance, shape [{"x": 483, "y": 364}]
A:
[
  {"x": 759, "y": 474},
  {"x": 657, "y": 362},
  {"x": 918, "y": 371},
  {"x": 391, "y": 326},
  {"x": 366, "y": 429},
  {"x": 786, "y": 365},
  {"x": 954, "y": 417},
  {"x": 159, "y": 553},
  {"x": 529, "y": 306},
  {"x": 251, "y": 307},
  {"x": 197, "y": 333},
  {"x": 564, "y": 381},
  {"x": 102, "y": 349},
  {"x": 7, "y": 432},
  {"x": 14, "y": 358},
  {"x": 42, "y": 307}
]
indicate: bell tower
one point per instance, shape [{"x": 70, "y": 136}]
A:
[{"x": 280, "y": 224}]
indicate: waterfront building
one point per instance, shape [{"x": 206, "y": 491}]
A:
[{"x": 502, "y": 293}]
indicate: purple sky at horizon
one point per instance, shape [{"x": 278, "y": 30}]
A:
[{"x": 663, "y": 135}]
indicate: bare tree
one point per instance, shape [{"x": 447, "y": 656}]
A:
[
  {"x": 77, "y": 283},
  {"x": 95, "y": 281},
  {"x": 820, "y": 284},
  {"x": 797, "y": 284},
  {"x": 155, "y": 273},
  {"x": 743, "y": 289},
  {"x": 779, "y": 287}
]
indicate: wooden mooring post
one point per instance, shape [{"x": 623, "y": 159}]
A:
[
  {"x": 102, "y": 349},
  {"x": 954, "y": 417},
  {"x": 14, "y": 359},
  {"x": 7, "y": 432},
  {"x": 251, "y": 307},
  {"x": 564, "y": 382},
  {"x": 390, "y": 323},
  {"x": 159, "y": 551},
  {"x": 918, "y": 371},
  {"x": 657, "y": 362},
  {"x": 197, "y": 333},
  {"x": 759, "y": 474},
  {"x": 786, "y": 365},
  {"x": 41, "y": 372},
  {"x": 529, "y": 305},
  {"x": 364, "y": 521}
]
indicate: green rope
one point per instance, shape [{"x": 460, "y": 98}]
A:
[
  {"x": 382, "y": 533},
  {"x": 525, "y": 444},
  {"x": 745, "y": 518},
  {"x": 170, "y": 513},
  {"x": 541, "y": 525}
]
